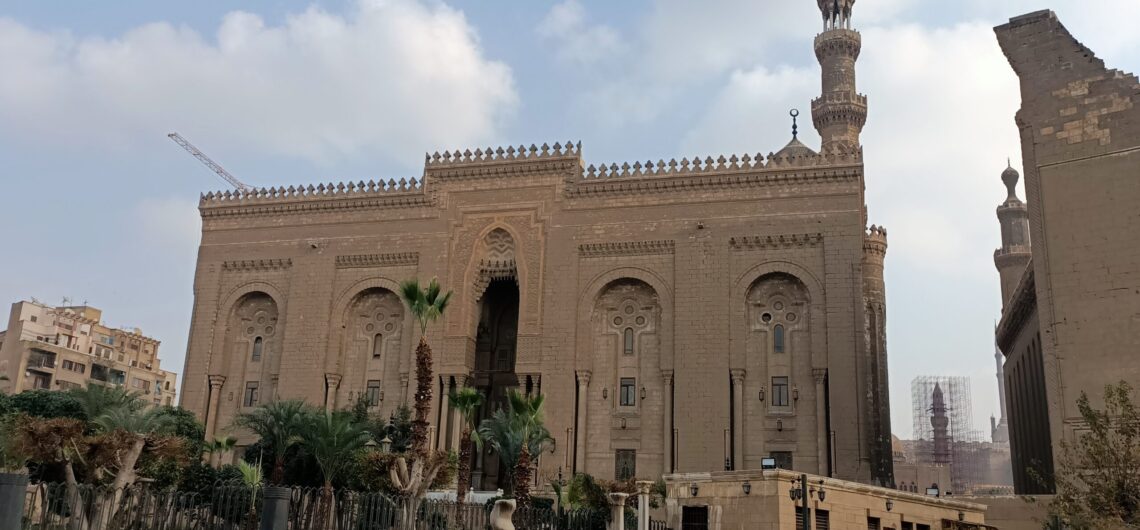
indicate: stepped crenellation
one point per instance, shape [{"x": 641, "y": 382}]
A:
[
  {"x": 708, "y": 164},
  {"x": 836, "y": 155},
  {"x": 501, "y": 154},
  {"x": 360, "y": 188}
]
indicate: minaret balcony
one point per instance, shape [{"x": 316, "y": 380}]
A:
[{"x": 847, "y": 42}]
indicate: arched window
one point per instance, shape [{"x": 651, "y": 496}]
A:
[
  {"x": 258, "y": 344},
  {"x": 628, "y": 339},
  {"x": 778, "y": 338},
  {"x": 377, "y": 345}
]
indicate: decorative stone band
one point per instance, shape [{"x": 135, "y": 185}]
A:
[
  {"x": 257, "y": 264},
  {"x": 774, "y": 241},
  {"x": 626, "y": 248},
  {"x": 842, "y": 41},
  {"x": 360, "y": 261}
]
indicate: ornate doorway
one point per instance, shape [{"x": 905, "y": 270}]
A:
[{"x": 494, "y": 374}]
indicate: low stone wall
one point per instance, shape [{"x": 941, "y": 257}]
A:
[{"x": 1014, "y": 512}]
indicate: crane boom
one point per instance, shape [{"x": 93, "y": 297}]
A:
[{"x": 221, "y": 171}]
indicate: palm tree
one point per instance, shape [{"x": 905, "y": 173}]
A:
[
  {"x": 139, "y": 427},
  {"x": 515, "y": 433},
  {"x": 528, "y": 415},
  {"x": 426, "y": 304},
  {"x": 279, "y": 425},
  {"x": 467, "y": 402},
  {"x": 219, "y": 447},
  {"x": 332, "y": 438},
  {"x": 96, "y": 399}
]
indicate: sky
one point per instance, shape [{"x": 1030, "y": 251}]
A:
[{"x": 100, "y": 206}]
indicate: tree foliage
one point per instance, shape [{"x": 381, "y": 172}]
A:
[
  {"x": 47, "y": 404},
  {"x": 278, "y": 425},
  {"x": 515, "y": 433},
  {"x": 1098, "y": 479}
]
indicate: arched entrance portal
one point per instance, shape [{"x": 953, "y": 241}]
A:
[{"x": 494, "y": 374}]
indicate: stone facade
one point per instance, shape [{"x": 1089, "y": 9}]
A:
[
  {"x": 59, "y": 348},
  {"x": 1071, "y": 324},
  {"x": 683, "y": 315},
  {"x": 755, "y": 499}
]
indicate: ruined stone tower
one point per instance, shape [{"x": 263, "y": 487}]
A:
[
  {"x": 840, "y": 111},
  {"x": 1014, "y": 253}
]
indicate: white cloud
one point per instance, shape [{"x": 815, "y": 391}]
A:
[
  {"x": 395, "y": 78},
  {"x": 577, "y": 41}
]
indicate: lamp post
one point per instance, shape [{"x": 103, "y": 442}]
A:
[{"x": 800, "y": 491}]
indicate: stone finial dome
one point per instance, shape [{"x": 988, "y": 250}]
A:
[
  {"x": 1010, "y": 177},
  {"x": 795, "y": 148}
]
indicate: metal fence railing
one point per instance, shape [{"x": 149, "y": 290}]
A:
[
  {"x": 238, "y": 507},
  {"x": 85, "y": 507}
]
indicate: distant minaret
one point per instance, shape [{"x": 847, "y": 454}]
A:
[
  {"x": 1014, "y": 253},
  {"x": 840, "y": 112},
  {"x": 938, "y": 420},
  {"x": 999, "y": 432}
]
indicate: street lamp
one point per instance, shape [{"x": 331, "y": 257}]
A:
[
  {"x": 747, "y": 487},
  {"x": 890, "y": 505},
  {"x": 693, "y": 489},
  {"x": 799, "y": 492}
]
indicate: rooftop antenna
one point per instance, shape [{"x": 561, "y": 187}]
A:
[
  {"x": 214, "y": 166},
  {"x": 794, "y": 113}
]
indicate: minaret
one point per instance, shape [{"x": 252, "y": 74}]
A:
[
  {"x": 938, "y": 420},
  {"x": 1014, "y": 253},
  {"x": 840, "y": 112},
  {"x": 999, "y": 432}
]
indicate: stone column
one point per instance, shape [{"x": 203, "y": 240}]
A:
[
  {"x": 667, "y": 421},
  {"x": 447, "y": 418},
  {"x": 456, "y": 418},
  {"x": 643, "y": 487},
  {"x": 617, "y": 511},
  {"x": 216, "y": 382},
  {"x": 275, "y": 508},
  {"x": 332, "y": 389},
  {"x": 737, "y": 418},
  {"x": 580, "y": 429},
  {"x": 820, "y": 375},
  {"x": 13, "y": 489}
]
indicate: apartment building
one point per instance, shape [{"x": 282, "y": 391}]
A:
[{"x": 58, "y": 348}]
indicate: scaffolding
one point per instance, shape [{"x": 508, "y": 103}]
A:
[{"x": 968, "y": 459}]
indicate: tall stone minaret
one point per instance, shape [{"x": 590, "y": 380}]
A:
[
  {"x": 999, "y": 430},
  {"x": 1014, "y": 253},
  {"x": 840, "y": 112}
]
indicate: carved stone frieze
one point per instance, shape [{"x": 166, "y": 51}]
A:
[
  {"x": 394, "y": 259},
  {"x": 626, "y": 248},
  {"x": 774, "y": 241}
]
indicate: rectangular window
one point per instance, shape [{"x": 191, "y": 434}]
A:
[
  {"x": 140, "y": 384},
  {"x": 625, "y": 464},
  {"x": 923, "y": 527},
  {"x": 250, "y": 398},
  {"x": 783, "y": 459},
  {"x": 873, "y": 523},
  {"x": 694, "y": 518},
  {"x": 907, "y": 525},
  {"x": 34, "y": 318},
  {"x": 822, "y": 519},
  {"x": 628, "y": 392},
  {"x": 780, "y": 391},
  {"x": 373, "y": 393}
]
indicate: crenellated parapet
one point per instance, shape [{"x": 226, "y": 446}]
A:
[
  {"x": 500, "y": 154},
  {"x": 722, "y": 164},
  {"x": 838, "y": 42},
  {"x": 834, "y": 163},
  {"x": 875, "y": 243}
]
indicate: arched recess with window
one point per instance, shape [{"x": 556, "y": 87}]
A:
[
  {"x": 781, "y": 413},
  {"x": 626, "y": 396},
  {"x": 368, "y": 354},
  {"x": 251, "y": 355}
]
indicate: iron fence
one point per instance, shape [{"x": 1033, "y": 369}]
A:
[
  {"x": 86, "y": 507},
  {"x": 237, "y": 507},
  {"x": 655, "y": 524}
]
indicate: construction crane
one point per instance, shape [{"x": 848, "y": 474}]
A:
[{"x": 221, "y": 171}]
